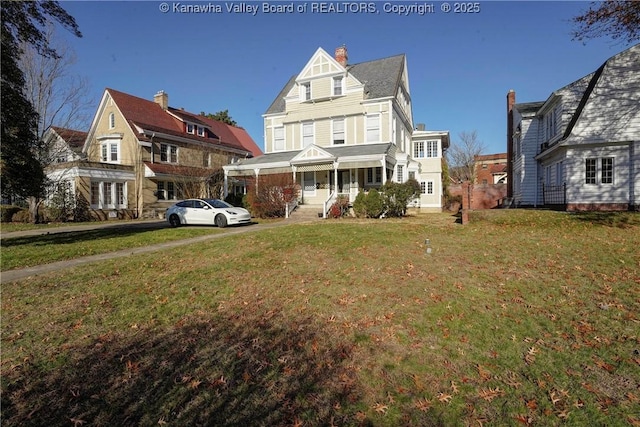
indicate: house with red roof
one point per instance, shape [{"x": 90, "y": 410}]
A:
[{"x": 140, "y": 156}]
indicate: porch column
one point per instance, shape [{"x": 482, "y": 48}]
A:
[
  {"x": 256, "y": 171},
  {"x": 225, "y": 191}
]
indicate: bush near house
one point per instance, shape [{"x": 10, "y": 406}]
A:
[
  {"x": 268, "y": 198},
  {"x": 7, "y": 212},
  {"x": 391, "y": 201},
  {"x": 340, "y": 208}
]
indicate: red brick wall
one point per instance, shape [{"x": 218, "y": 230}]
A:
[{"x": 482, "y": 196}]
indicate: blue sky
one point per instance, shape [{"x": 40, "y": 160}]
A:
[{"x": 461, "y": 66}]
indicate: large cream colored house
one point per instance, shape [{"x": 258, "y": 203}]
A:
[
  {"x": 339, "y": 128},
  {"x": 141, "y": 156}
]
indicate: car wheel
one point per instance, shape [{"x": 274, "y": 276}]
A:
[
  {"x": 221, "y": 221},
  {"x": 174, "y": 220}
]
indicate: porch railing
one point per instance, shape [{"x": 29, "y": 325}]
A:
[
  {"x": 554, "y": 194},
  {"x": 289, "y": 207},
  {"x": 327, "y": 204}
]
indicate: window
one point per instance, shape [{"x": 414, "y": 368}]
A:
[
  {"x": 337, "y": 85},
  {"x": 338, "y": 131},
  {"x": 200, "y": 131},
  {"x": 95, "y": 193},
  {"x": 590, "y": 171},
  {"x": 189, "y": 128},
  {"x": 412, "y": 175},
  {"x": 106, "y": 189},
  {"x": 112, "y": 120},
  {"x": 305, "y": 91},
  {"x": 168, "y": 153},
  {"x": 307, "y": 134},
  {"x": 373, "y": 128},
  {"x": 431, "y": 148},
  {"x": 400, "y": 174},
  {"x": 606, "y": 170},
  {"x": 374, "y": 175},
  {"x": 110, "y": 152},
  {"x": 426, "y": 187},
  {"x": 160, "y": 191},
  {"x": 418, "y": 149},
  {"x": 108, "y": 195},
  {"x": 120, "y": 200},
  {"x": 278, "y": 138},
  {"x": 171, "y": 195}
]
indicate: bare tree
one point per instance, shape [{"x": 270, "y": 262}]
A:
[
  {"x": 462, "y": 155},
  {"x": 618, "y": 19},
  {"x": 57, "y": 96}
]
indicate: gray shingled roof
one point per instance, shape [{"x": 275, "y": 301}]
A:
[
  {"x": 345, "y": 151},
  {"x": 380, "y": 78}
]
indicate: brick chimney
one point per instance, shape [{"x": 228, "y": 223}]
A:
[
  {"x": 341, "y": 55},
  {"x": 162, "y": 99}
]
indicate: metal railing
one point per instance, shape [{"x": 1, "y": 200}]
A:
[{"x": 289, "y": 207}]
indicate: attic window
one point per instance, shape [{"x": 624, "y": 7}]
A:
[
  {"x": 112, "y": 121},
  {"x": 306, "y": 91},
  {"x": 200, "y": 130},
  {"x": 189, "y": 128}
]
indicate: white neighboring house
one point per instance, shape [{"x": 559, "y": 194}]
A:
[
  {"x": 339, "y": 128},
  {"x": 580, "y": 149},
  {"x": 64, "y": 146}
]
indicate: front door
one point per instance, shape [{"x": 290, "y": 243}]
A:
[{"x": 344, "y": 182}]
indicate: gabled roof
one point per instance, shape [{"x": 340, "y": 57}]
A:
[
  {"x": 148, "y": 115},
  {"x": 74, "y": 138},
  {"x": 381, "y": 78}
]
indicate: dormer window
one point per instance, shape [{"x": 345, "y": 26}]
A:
[
  {"x": 190, "y": 128},
  {"x": 200, "y": 130}
]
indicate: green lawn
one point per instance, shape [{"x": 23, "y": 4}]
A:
[{"x": 520, "y": 317}]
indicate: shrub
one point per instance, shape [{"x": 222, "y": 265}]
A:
[
  {"x": 81, "y": 210},
  {"x": 374, "y": 204},
  {"x": 272, "y": 195},
  {"x": 7, "y": 212},
  {"x": 359, "y": 206},
  {"x": 21, "y": 216},
  {"x": 235, "y": 199},
  {"x": 340, "y": 208}
]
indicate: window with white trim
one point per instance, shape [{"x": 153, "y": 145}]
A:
[
  {"x": 112, "y": 120},
  {"x": 307, "y": 134},
  {"x": 278, "y": 138},
  {"x": 373, "y": 128},
  {"x": 400, "y": 174},
  {"x": 108, "y": 195},
  {"x": 338, "y": 131},
  {"x": 110, "y": 152},
  {"x": 168, "y": 153},
  {"x": 200, "y": 130},
  {"x": 591, "y": 166},
  {"x": 426, "y": 187},
  {"x": 431, "y": 148},
  {"x": 190, "y": 128},
  {"x": 606, "y": 170},
  {"x": 418, "y": 149},
  {"x": 305, "y": 91},
  {"x": 337, "y": 86}
]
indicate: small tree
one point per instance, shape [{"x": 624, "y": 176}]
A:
[
  {"x": 374, "y": 204},
  {"x": 462, "y": 156}
]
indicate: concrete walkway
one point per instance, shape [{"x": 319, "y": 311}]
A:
[{"x": 24, "y": 273}]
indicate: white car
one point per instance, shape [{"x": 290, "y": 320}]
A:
[{"x": 206, "y": 212}]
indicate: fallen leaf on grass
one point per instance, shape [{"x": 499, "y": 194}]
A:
[
  {"x": 422, "y": 404},
  {"x": 380, "y": 408},
  {"x": 490, "y": 393},
  {"x": 444, "y": 397}
]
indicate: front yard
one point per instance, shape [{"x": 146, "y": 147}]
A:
[{"x": 518, "y": 318}]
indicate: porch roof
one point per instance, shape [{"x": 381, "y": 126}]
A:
[{"x": 348, "y": 156}]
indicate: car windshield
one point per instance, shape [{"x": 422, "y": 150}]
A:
[{"x": 217, "y": 203}]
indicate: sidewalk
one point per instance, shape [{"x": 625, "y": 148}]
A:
[{"x": 24, "y": 273}]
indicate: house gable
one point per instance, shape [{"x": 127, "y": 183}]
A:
[
  {"x": 321, "y": 64},
  {"x": 312, "y": 154}
]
